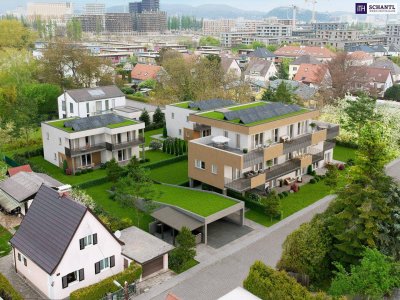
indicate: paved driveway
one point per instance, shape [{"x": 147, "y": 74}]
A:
[
  {"x": 7, "y": 269},
  {"x": 227, "y": 268}
]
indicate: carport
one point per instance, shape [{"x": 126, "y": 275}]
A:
[{"x": 176, "y": 218}]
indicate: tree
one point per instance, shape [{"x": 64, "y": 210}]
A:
[
  {"x": 209, "y": 41},
  {"x": 165, "y": 133},
  {"x": 185, "y": 250},
  {"x": 283, "y": 70},
  {"x": 148, "y": 84},
  {"x": 3, "y": 169},
  {"x": 358, "y": 112},
  {"x": 393, "y": 93},
  {"x": 332, "y": 176},
  {"x": 14, "y": 34},
  {"x": 257, "y": 44},
  {"x": 283, "y": 94},
  {"x": 114, "y": 171},
  {"x": 272, "y": 204},
  {"x": 306, "y": 251},
  {"x": 158, "y": 117},
  {"x": 145, "y": 117},
  {"x": 81, "y": 197},
  {"x": 74, "y": 29},
  {"x": 361, "y": 205},
  {"x": 268, "y": 95},
  {"x": 267, "y": 284},
  {"x": 136, "y": 189},
  {"x": 374, "y": 277}
]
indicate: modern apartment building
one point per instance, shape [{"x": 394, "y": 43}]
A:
[
  {"x": 95, "y": 9},
  {"x": 89, "y": 142},
  {"x": 258, "y": 145},
  {"x": 150, "y": 21},
  {"x": 144, "y": 5},
  {"x": 216, "y": 27},
  {"x": 338, "y": 35},
  {"x": 58, "y": 12},
  {"x": 329, "y": 26},
  {"x": 119, "y": 23},
  {"x": 177, "y": 118},
  {"x": 393, "y": 34},
  {"x": 273, "y": 30}
]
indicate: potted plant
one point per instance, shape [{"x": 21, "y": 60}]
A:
[
  {"x": 245, "y": 150},
  {"x": 268, "y": 143},
  {"x": 313, "y": 125},
  {"x": 269, "y": 164}
]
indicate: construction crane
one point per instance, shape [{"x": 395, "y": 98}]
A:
[
  {"x": 313, "y": 10},
  {"x": 295, "y": 8}
]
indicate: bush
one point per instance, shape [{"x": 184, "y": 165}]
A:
[
  {"x": 245, "y": 150},
  {"x": 313, "y": 181},
  {"x": 184, "y": 252},
  {"x": 114, "y": 223},
  {"x": 285, "y": 194},
  {"x": 350, "y": 162},
  {"x": 135, "y": 98},
  {"x": 272, "y": 204},
  {"x": 153, "y": 126},
  {"x": 155, "y": 145},
  {"x": 84, "y": 171},
  {"x": 78, "y": 173},
  {"x": 101, "y": 289},
  {"x": 253, "y": 197},
  {"x": 127, "y": 90},
  {"x": 7, "y": 291}
]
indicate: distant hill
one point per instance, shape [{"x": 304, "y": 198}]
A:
[{"x": 218, "y": 11}]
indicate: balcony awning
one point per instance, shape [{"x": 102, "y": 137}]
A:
[{"x": 220, "y": 139}]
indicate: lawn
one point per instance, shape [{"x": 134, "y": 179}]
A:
[
  {"x": 198, "y": 202},
  {"x": 148, "y": 135},
  {"x": 308, "y": 194},
  {"x": 156, "y": 156},
  {"x": 176, "y": 173},
  {"x": 58, "y": 173},
  {"x": 190, "y": 264},
  {"x": 343, "y": 153},
  {"x": 101, "y": 197},
  {"x": 5, "y": 236}
]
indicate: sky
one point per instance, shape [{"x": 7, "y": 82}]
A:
[{"x": 261, "y": 5}]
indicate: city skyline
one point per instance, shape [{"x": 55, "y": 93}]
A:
[{"x": 260, "y": 5}]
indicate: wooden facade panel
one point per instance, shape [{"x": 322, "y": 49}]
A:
[
  {"x": 273, "y": 151},
  {"x": 318, "y": 137}
]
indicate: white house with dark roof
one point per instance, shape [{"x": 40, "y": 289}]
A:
[
  {"x": 259, "y": 70},
  {"x": 88, "y": 102},
  {"x": 88, "y": 142},
  {"x": 61, "y": 246}
]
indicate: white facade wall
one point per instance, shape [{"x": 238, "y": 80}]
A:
[
  {"x": 293, "y": 71},
  {"x": 51, "y": 143},
  {"x": 176, "y": 119},
  {"x": 75, "y": 259},
  {"x": 254, "y": 77},
  {"x": 80, "y": 109}
]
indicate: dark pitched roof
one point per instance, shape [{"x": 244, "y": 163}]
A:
[
  {"x": 48, "y": 228},
  {"x": 364, "y": 48},
  {"x": 378, "y": 48},
  {"x": 306, "y": 59},
  {"x": 94, "y": 122},
  {"x": 300, "y": 89},
  {"x": 210, "y": 104},
  {"x": 262, "y": 53},
  {"x": 258, "y": 66},
  {"x": 387, "y": 64},
  {"x": 92, "y": 94}
]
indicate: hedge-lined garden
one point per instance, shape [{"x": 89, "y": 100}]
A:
[
  {"x": 101, "y": 289},
  {"x": 7, "y": 291}
]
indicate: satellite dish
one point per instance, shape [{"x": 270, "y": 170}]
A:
[{"x": 117, "y": 234}]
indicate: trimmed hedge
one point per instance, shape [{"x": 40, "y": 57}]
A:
[
  {"x": 92, "y": 183},
  {"x": 136, "y": 98},
  {"x": 166, "y": 162},
  {"x": 154, "y": 126},
  {"x": 99, "y": 290},
  {"x": 346, "y": 144},
  {"x": 7, "y": 291},
  {"x": 256, "y": 206}
]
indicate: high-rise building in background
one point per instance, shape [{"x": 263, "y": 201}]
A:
[
  {"x": 95, "y": 9},
  {"x": 393, "y": 34},
  {"x": 58, "y": 12},
  {"x": 150, "y": 21},
  {"x": 144, "y": 5}
]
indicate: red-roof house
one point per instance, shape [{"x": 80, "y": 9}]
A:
[
  {"x": 143, "y": 72},
  {"x": 320, "y": 53},
  {"x": 374, "y": 80},
  {"x": 13, "y": 171},
  {"x": 313, "y": 75}
]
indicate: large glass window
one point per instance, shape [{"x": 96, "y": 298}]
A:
[{"x": 86, "y": 159}]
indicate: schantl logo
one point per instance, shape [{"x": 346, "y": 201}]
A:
[{"x": 361, "y": 8}]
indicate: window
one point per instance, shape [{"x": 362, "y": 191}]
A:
[
  {"x": 86, "y": 159},
  {"x": 87, "y": 110},
  {"x": 59, "y": 141},
  {"x": 25, "y": 262},
  {"x": 73, "y": 277},
  {"x": 258, "y": 139},
  {"x": 187, "y": 119},
  {"x": 200, "y": 164},
  {"x": 98, "y": 107},
  {"x": 19, "y": 256},
  {"x": 214, "y": 169},
  {"x": 103, "y": 264},
  {"x": 63, "y": 106},
  {"x": 172, "y": 116},
  {"x": 180, "y": 132},
  {"x": 55, "y": 156},
  {"x": 87, "y": 241},
  {"x": 275, "y": 135},
  {"x": 47, "y": 136},
  {"x": 107, "y": 104},
  {"x": 226, "y": 134},
  {"x": 237, "y": 140},
  {"x": 121, "y": 155},
  {"x": 71, "y": 108}
]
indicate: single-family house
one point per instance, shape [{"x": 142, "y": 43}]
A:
[
  {"x": 360, "y": 58},
  {"x": 61, "y": 246},
  {"x": 320, "y": 53},
  {"x": 304, "y": 59},
  {"x": 143, "y": 72},
  {"x": 386, "y": 63},
  {"x": 86, "y": 143},
  {"x": 259, "y": 70},
  {"x": 262, "y": 53},
  {"x": 375, "y": 80},
  {"x": 230, "y": 67},
  {"x": 18, "y": 191},
  {"x": 313, "y": 75},
  {"x": 88, "y": 102}
]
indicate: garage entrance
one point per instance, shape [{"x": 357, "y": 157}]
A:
[
  {"x": 223, "y": 232},
  {"x": 152, "y": 266}
]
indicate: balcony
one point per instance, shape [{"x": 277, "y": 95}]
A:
[
  {"x": 201, "y": 127},
  {"x": 126, "y": 144},
  {"x": 85, "y": 150}
]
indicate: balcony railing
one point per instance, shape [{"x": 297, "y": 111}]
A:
[
  {"x": 83, "y": 150},
  {"x": 332, "y": 132},
  {"x": 297, "y": 143},
  {"x": 200, "y": 127},
  {"x": 126, "y": 144}
]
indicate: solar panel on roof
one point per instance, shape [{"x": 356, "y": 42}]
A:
[
  {"x": 211, "y": 104},
  {"x": 94, "y": 122},
  {"x": 96, "y": 93}
]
